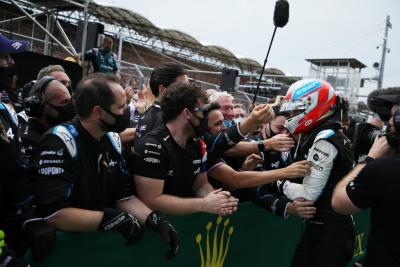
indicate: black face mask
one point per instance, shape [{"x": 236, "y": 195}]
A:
[
  {"x": 65, "y": 113},
  {"x": 271, "y": 132},
  {"x": 69, "y": 87},
  {"x": 121, "y": 121},
  {"x": 6, "y": 75},
  {"x": 201, "y": 129}
]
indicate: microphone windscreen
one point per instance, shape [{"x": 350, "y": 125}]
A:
[{"x": 281, "y": 13}]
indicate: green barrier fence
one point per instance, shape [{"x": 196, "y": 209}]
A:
[{"x": 250, "y": 237}]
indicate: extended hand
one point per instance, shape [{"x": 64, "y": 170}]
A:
[
  {"x": 251, "y": 162},
  {"x": 302, "y": 208},
  {"x": 280, "y": 142},
  {"x": 297, "y": 169}
]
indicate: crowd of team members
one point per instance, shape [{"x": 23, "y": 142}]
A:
[{"x": 97, "y": 157}]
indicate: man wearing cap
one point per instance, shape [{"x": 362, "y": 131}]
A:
[
  {"x": 8, "y": 160},
  {"x": 7, "y": 67},
  {"x": 374, "y": 184}
]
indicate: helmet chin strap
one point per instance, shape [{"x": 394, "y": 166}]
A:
[{"x": 297, "y": 147}]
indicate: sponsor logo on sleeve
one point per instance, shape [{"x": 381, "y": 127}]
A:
[
  {"x": 317, "y": 167},
  {"x": 321, "y": 152}
]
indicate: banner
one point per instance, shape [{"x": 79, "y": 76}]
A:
[{"x": 249, "y": 238}]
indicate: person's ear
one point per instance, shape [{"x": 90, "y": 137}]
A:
[
  {"x": 187, "y": 113},
  {"x": 97, "y": 111},
  {"x": 162, "y": 90}
]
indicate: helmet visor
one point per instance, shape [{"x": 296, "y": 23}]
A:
[{"x": 290, "y": 109}]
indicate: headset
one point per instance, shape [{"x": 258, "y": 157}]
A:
[
  {"x": 396, "y": 121},
  {"x": 33, "y": 105}
]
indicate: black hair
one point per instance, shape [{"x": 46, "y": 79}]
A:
[
  {"x": 178, "y": 97},
  {"x": 165, "y": 74},
  {"x": 380, "y": 106},
  {"x": 92, "y": 91},
  {"x": 213, "y": 106}
]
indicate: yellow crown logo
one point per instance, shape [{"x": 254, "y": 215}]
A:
[
  {"x": 217, "y": 257},
  {"x": 1, "y": 242}
]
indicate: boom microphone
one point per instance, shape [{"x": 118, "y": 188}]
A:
[
  {"x": 281, "y": 17},
  {"x": 281, "y": 13}
]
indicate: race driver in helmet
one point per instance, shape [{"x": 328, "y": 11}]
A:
[{"x": 311, "y": 107}]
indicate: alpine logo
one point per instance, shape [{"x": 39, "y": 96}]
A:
[
  {"x": 112, "y": 163},
  {"x": 16, "y": 45},
  {"x": 275, "y": 164}
]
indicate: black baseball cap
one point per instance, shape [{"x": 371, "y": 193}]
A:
[{"x": 394, "y": 99}]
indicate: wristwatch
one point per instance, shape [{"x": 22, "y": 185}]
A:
[
  {"x": 261, "y": 146},
  {"x": 367, "y": 160}
]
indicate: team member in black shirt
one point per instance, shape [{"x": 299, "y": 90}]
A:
[
  {"x": 374, "y": 184},
  {"x": 81, "y": 182},
  {"x": 170, "y": 162},
  {"x": 160, "y": 79},
  {"x": 48, "y": 104}
]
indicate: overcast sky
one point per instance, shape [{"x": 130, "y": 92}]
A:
[{"x": 316, "y": 29}]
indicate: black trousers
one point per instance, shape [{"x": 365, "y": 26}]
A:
[{"x": 325, "y": 245}]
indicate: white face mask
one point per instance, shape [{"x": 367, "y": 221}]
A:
[{"x": 238, "y": 120}]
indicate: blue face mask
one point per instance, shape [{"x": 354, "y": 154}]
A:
[
  {"x": 227, "y": 123},
  {"x": 238, "y": 120}
]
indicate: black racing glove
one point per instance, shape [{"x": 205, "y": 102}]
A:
[
  {"x": 156, "y": 222},
  {"x": 42, "y": 239},
  {"x": 126, "y": 224},
  {"x": 7, "y": 257}
]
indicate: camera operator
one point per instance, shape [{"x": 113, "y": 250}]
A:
[
  {"x": 363, "y": 134},
  {"x": 374, "y": 184}
]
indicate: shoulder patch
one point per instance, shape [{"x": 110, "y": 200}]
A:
[
  {"x": 67, "y": 135},
  {"x": 11, "y": 113},
  {"x": 23, "y": 116},
  {"x": 115, "y": 141},
  {"x": 203, "y": 150},
  {"x": 325, "y": 134}
]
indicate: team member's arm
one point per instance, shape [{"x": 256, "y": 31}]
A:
[
  {"x": 220, "y": 143},
  {"x": 280, "y": 142},
  {"x": 359, "y": 190},
  {"x": 150, "y": 173},
  {"x": 245, "y": 179},
  {"x": 321, "y": 157},
  {"x": 128, "y": 135}
]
